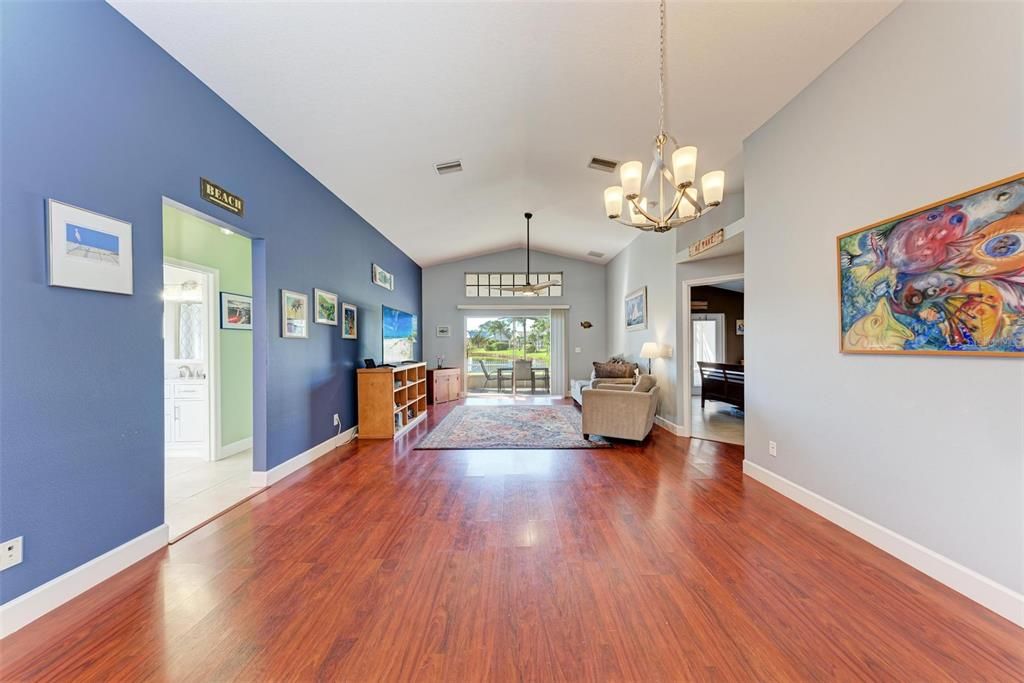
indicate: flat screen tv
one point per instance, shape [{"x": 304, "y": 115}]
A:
[{"x": 399, "y": 335}]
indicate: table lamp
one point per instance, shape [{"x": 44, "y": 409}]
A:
[{"x": 650, "y": 350}]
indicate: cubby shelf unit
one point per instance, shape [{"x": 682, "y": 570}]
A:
[{"x": 391, "y": 400}]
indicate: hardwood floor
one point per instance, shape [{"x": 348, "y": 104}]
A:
[{"x": 655, "y": 562}]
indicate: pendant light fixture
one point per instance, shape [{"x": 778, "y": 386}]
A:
[{"x": 667, "y": 198}]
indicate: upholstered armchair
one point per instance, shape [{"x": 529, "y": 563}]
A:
[
  {"x": 622, "y": 411},
  {"x": 625, "y": 374}
]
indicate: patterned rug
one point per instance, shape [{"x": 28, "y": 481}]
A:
[{"x": 510, "y": 427}]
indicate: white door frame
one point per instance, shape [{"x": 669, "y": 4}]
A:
[
  {"x": 684, "y": 371},
  {"x": 719, "y": 318},
  {"x": 212, "y": 276}
]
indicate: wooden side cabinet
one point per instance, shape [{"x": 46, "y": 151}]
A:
[{"x": 443, "y": 385}]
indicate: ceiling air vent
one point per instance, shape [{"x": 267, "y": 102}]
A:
[
  {"x": 595, "y": 254},
  {"x": 448, "y": 167},
  {"x": 599, "y": 164}
]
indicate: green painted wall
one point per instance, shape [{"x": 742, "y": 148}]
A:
[{"x": 191, "y": 239}]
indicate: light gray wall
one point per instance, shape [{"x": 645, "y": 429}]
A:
[
  {"x": 583, "y": 291},
  {"x": 930, "y": 447},
  {"x": 646, "y": 262}
]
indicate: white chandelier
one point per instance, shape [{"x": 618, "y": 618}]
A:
[{"x": 648, "y": 211}]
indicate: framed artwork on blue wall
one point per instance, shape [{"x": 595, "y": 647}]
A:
[
  {"x": 325, "y": 310},
  {"x": 294, "y": 315},
  {"x": 87, "y": 250},
  {"x": 349, "y": 324},
  {"x": 383, "y": 278}
]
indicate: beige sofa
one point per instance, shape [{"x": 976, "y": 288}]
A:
[{"x": 622, "y": 411}]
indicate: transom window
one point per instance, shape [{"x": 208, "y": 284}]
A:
[{"x": 491, "y": 284}]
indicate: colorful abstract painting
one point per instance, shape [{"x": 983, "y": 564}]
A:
[{"x": 946, "y": 279}]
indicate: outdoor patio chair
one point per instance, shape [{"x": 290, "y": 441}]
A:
[
  {"x": 488, "y": 377},
  {"x": 522, "y": 371}
]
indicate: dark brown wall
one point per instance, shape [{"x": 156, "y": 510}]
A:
[{"x": 731, "y": 304}]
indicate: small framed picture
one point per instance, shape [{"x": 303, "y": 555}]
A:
[
  {"x": 444, "y": 331},
  {"x": 349, "y": 322},
  {"x": 326, "y": 310},
  {"x": 740, "y": 327},
  {"x": 636, "y": 309},
  {"x": 88, "y": 250},
  {"x": 294, "y": 315},
  {"x": 383, "y": 278},
  {"x": 235, "y": 311}
]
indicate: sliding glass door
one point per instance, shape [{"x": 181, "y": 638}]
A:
[{"x": 508, "y": 354}]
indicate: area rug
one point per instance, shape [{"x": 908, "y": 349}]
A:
[{"x": 510, "y": 427}]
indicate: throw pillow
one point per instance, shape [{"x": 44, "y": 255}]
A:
[
  {"x": 613, "y": 370},
  {"x": 644, "y": 384}
]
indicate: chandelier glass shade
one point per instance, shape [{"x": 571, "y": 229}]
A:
[{"x": 668, "y": 196}]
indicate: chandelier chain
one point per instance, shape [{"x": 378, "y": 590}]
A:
[{"x": 661, "y": 67}]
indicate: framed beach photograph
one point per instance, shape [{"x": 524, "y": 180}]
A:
[
  {"x": 235, "y": 311},
  {"x": 383, "y": 278},
  {"x": 636, "y": 309},
  {"x": 349, "y": 322},
  {"x": 325, "y": 310},
  {"x": 294, "y": 315},
  {"x": 87, "y": 250},
  {"x": 444, "y": 330},
  {"x": 944, "y": 279}
]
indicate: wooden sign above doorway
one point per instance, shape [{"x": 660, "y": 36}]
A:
[
  {"x": 215, "y": 194},
  {"x": 705, "y": 243}
]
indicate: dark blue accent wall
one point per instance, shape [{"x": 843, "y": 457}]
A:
[{"x": 95, "y": 114}]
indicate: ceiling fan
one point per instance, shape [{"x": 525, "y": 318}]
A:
[{"x": 529, "y": 289}]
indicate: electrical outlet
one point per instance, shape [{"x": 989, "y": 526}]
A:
[
  {"x": 578, "y": 349},
  {"x": 337, "y": 420},
  {"x": 10, "y": 553},
  {"x": 772, "y": 450}
]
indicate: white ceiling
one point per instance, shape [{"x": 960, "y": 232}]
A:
[{"x": 368, "y": 96}]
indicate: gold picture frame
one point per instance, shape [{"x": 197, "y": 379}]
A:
[{"x": 938, "y": 278}]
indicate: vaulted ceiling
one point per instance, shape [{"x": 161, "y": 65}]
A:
[{"x": 368, "y": 96}]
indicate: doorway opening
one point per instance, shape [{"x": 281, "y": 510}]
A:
[
  {"x": 508, "y": 354},
  {"x": 208, "y": 368},
  {"x": 715, "y": 387}
]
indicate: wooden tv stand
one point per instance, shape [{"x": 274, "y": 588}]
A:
[{"x": 391, "y": 400}]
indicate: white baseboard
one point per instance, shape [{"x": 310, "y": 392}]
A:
[
  {"x": 291, "y": 465},
  {"x": 986, "y": 592},
  {"x": 26, "y": 608},
  {"x": 669, "y": 426},
  {"x": 234, "y": 448}
]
